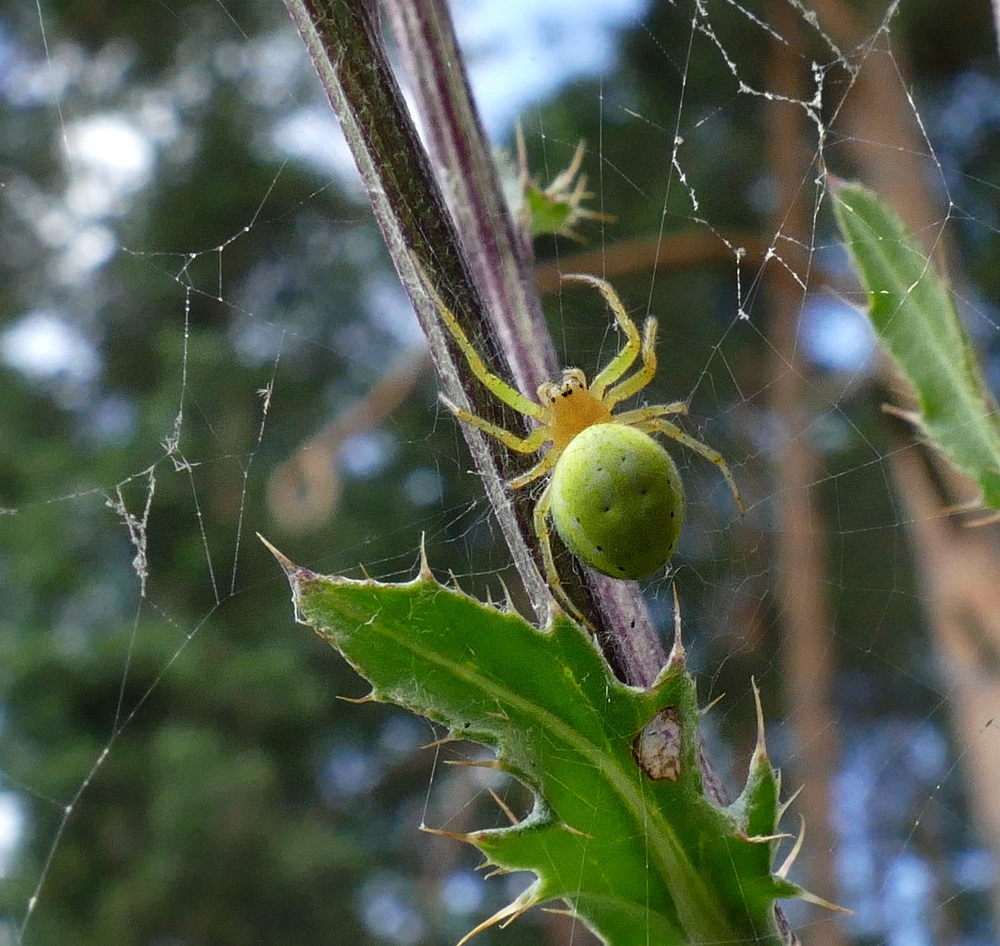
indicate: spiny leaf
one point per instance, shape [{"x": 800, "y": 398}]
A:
[
  {"x": 638, "y": 859},
  {"x": 555, "y": 209}
]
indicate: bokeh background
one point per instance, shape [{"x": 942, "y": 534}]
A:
[{"x": 201, "y": 337}]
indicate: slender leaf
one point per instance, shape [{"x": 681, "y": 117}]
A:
[{"x": 912, "y": 311}]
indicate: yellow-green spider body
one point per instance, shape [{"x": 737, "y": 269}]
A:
[
  {"x": 614, "y": 493},
  {"x": 617, "y": 501}
]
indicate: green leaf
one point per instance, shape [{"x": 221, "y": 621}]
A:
[
  {"x": 555, "y": 209},
  {"x": 550, "y": 213},
  {"x": 912, "y": 311},
  {"x": 639, "y": 859}
]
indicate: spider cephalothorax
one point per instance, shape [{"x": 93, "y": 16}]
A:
[{"x": 615, "y": 495}]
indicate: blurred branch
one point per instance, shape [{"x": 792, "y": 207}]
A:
[
  {"x": 801, "y": 553},
  {"x": 303, "y": 492},
  {"x": 957, "y": 567},
  {"x": 668, "y": 250}
]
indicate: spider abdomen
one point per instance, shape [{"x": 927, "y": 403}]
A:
[{"x": 617, "y": 500}]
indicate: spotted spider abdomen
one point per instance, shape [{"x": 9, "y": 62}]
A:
[{"x": 617, "y": 500}]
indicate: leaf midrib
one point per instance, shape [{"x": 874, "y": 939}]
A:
[
  {"x": 695, "y": 907},
  {"x": 962, "y": 387}
]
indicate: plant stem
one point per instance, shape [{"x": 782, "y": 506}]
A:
[
  {"x": 502, "y": 260},
  {"x": 479, "y": 249},
  {"x": 343, "y": 41},
  {"x": 499, "y": 253}
]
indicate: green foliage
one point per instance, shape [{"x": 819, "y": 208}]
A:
[
  {"x": 621, "y": 829},
  {"x": 912, "y": 311},
  {"x": 150, "y": 852},
  {"x": 549, "y": 214},
  {"x": 558, "y": 208}
]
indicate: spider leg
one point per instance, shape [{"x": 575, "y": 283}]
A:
[
  {"x": 528, "y": 444},
  {"x": 492, "y": 382},
  {"x": 628, "y": 387},
  {"x": 548, "y": 560},
  {"x": 633, "y": 344},
  {"x": 658, "y": 425},
  {"x": 640, "y": 414},
  {"x": 539, "y": 469}
]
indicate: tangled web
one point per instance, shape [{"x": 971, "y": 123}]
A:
[{"x": 203, "y": 338}]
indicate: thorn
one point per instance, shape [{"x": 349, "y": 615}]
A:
[
  {"x": 364, "y": 571},
  {"x": 677, "y": 649},
  {"x": 283, "y": 560},
  {"x": 506, "y": 592},
  {"x": 761, "y": 747},
  {"x": 820, "y": 902},
  {"x": 786, "y": 866},
  {"x": 788, "y": 804},
  {"x": 491, "y": 764},
  {"x": 505, "y": 916},
  {"x": 502, "y": 805},
  {"x": 559, "y": 911},
  {"x": 711, "y": 706},
  {"x": 576, "y": 163},
  {"x": 454, "y": 581},
  {"x": 425, "y": 573},
  {"x": 370, "y": 698},
  {"x": 443, "y": 741},
  {"x": 767, "y": 838},
  {"x": 911, "y": 417},
  {"x": 467, "y": 838},
  {"x": 576, "y": 831}
]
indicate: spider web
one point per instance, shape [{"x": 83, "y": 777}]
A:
[{"x": 177, "y": 374}]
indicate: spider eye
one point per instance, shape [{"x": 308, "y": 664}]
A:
[
  {"x": 547, "y": 393},
  {"x": 617, "y": 501}
]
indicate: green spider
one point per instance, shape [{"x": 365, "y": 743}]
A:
[{"x": 614, "y": 495}]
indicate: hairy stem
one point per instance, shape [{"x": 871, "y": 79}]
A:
[
  {"x": 499, "y": 253},
  {"x": 343, "y": 40},
  {"x": 502, "y": 261}
]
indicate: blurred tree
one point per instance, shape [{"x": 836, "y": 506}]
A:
[{"x": 184, "y": 235}]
